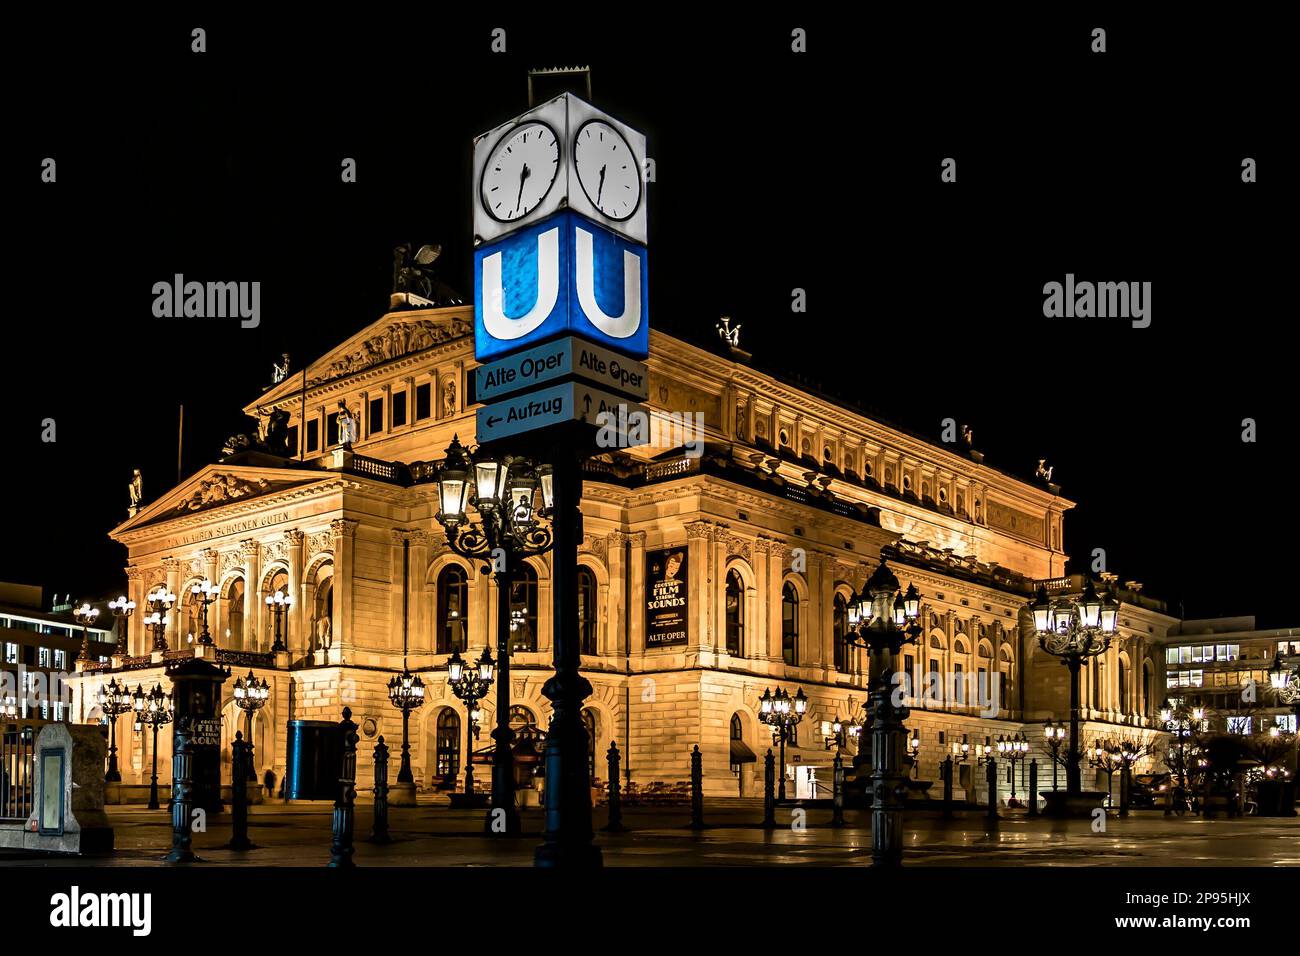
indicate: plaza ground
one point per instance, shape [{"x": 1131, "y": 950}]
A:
[{"x": 298, "y": 835}]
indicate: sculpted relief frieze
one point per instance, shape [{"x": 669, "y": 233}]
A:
[
  {"x": 1013, "y": 521},
  {"x": 219, "y": 490},
  {"x": 399, "y": 339}
]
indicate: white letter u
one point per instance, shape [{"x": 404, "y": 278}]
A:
[
  {"x": 615, "y": 326},
  {"x": 495, "y": 320}
]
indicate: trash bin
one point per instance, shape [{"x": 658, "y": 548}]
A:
[{"x": 314, "y": 760}]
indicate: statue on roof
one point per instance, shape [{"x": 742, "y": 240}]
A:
[
  {"x": 1044, "y": 471},
  {"x": 727, "y": 333},
  {"x": 347, "y": 425},
  {"x": 414, "y": 284},
  {"x": 280, "y": 370},
  {"x": 136, "y": 490}
]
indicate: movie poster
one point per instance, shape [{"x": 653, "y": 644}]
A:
[{"x": 667, "y": 602}]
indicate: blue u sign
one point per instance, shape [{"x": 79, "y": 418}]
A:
[{"x": 562, "y": 276}]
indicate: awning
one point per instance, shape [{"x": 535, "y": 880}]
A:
[{"x": 740, "y": 752}]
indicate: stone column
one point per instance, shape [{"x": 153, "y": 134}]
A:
[
  {"x": 820, "y": 603},
  {"x": 418, "y": 608},
  {"x": 173, "y": 568},
  {"x": 757, "y": 623},
  {"x": 251, "y": 553},
  {"x": 698, "y": 554},
  {"x": 293, "y": 539},
  {"x": 775, "y": 575},
  {"x": 618, "y": 598},
  {"x": 636, "y": 603},
  {"x": 343, "y": 531},
  {"x": 135, "y": 643}
]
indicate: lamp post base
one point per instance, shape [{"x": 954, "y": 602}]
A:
[
  {"x": 1063, "y": 804},
  {"x": 401, "y": 795}
]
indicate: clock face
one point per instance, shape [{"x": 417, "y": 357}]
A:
[
  {"x": 609, "y": 173},
  {"x": 520, "y": 171}
]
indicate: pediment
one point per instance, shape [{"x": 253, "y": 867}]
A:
[
  {"x": 393, "y": 336},
  {"x": 219, "y": 486}
]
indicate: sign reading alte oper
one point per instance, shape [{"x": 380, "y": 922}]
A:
[{"x": 667, "y": 597}]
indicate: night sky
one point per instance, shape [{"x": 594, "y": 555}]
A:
[{"x": 775, "y": 171}]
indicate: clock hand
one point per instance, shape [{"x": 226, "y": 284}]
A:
[
  {"x": 602, "y": 183},
  {"x": 523, "y": 174}
]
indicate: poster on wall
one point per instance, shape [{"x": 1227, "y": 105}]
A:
[{"x": 667, "y": 602}]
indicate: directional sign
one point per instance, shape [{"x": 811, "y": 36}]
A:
[
  {"x": 567, "y": 402},
  {"x": 570, "y": 357}
]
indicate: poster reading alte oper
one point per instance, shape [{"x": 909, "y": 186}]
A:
[{"x": 667, "y": 601}]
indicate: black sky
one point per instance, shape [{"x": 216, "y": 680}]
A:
[{"x": 774, "y": 171}]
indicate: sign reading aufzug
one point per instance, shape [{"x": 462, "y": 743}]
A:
[{"x": 667, "y": 602}]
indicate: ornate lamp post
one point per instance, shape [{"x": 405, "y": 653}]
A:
[
  {"x": 914, "y": 751},
  {"x": 502, "y": 490},
  {"x": 406, "y": 693},
  {"x": 114, "y": 700},
  {"x": 1181, "y": 722},
  {"x": 204, "y": 593},
  {"x": 984, "y": 753},
  {"x": 279, "y": 602},
  {"x": 883, "y": 620},
  {"x": 85, "y": 616},
  {"x": 1284, "y": 676},
  {"x": 159, "y": 603},
  {"x": 1013, "y": 748},
  {"x": 1054, "y": 736},
  {"x": 470, "y": 685},
  {"x": 1074, "y": 631},
  {"x": 250, "y": 696},
  {"x": 782, "y": 713},
  {"x": 122, "y": 610},
  {"x": 152, "y": 710}
]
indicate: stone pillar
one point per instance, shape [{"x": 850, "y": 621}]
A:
[
  {"x": 618, "y": 599},
  {"x": 135, "y": 641},
  {"x": 698, "y": 555},
  {"x": 636, "y": 603},
  {"x": 775, "y": 575},
  {"x": 757, "y": 624},
  {"x": 820, "y": 601},
  {"x": 251, "y": 553},
  {"x": 175, "y": 638},
  {"x": 343, "y": 531},
  {"x": 418, "y": 606},
  {"x": 293, "y": 538}
]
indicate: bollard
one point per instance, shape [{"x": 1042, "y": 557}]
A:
[
  {"x": 239, "y": 754},
  {"x": 945, "y": 769},
  {"x": 769, "y": 791},
  {"x": 1033, "y": 788},
  {"x": 615, "y": 823},
  {"x": 993, "y": 789},
  {"x": 697, "y": 789},
  {"x": 341, "y": 849},
  {"x": 837, "y": 790},
  {"x": 1123, "y": 790},
  {"x": 379, "y": 832},
  {"x": 182, "y": 800}
]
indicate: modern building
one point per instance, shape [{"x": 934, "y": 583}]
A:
[{"x": 771, "y": 502}]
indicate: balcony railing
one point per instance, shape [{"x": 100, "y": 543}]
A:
[{"x": 17, "y": 747}]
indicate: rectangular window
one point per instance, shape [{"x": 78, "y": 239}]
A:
[
  {"x": 331, "y": 429},
  {"x": 422, "y": 406},
  {"x": 959, "y": 682},
  {"x": 1171, "y": 655},
  {"x": 909, "y": 668},
  {"x": 44, "y": 657},
  {"x": 399, "y": 409},
  {"x": 313, "y": 435},
  {"x": 292, "y": 440},
  {"x": 1239, "y": 725},
  {"x": 11, "y": 653},
  {"x": 932, "y": 682},
  {"x": 61, "y": 660},
  {"x": 1285, "y": 723},
  {"x": 376, "y": 416}
]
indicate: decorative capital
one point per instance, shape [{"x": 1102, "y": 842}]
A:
[
  {"x": 134, "y": 573},
  {"x": 171, "y": 564},
  {"x": 294, "y": 538},
  {"x": 249, "y": 548},
  {"x": 396, "y": 535},
  {"x": 618, "y": 538},
  {"x": 418, "y": 537},
  {"x": 343, "y": 527},
  {"x": 208, "y": 555},
  {"x": 699, "y": 529}
]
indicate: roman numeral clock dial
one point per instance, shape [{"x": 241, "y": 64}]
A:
[
  {"x": 610, "y": 174},
  {"x": 520, "y": 172}
]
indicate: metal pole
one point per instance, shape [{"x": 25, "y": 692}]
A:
[
  {"x": 182, "y": 796},
  {"x": 1073, "y": 775},
  {"x": 470, "y": 704},
  {"x": 1033, "y": 787},
  {"x": 992, "y": 773},
  {"x": 769, "y": 784},
  {"x": 568, "y": 836},
  {"x": 615, "y": 824},
  {"x": 1123, "y": 789},
  {"x": 837, "y": 790},
  {"x": 379, "y": 831},
  {"x": 503, "y": 758},
  {"x": 404, "y": 770},
  {"x": 887, "y": 782},
  {"x": 781, "y": 775},
  {"x": 239, "y": 754},
  {"x": 341, "y": 848},
  {"x": 113, "y": 776},
  {"x": 153, "y": 780},
  {"x": 945, "y": 770}
]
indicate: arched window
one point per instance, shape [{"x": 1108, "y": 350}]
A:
[
  {"x": 735, "y": 613},
  {"x": 589, "y": 724},
  {"x": 959, "y": 672},
  {"x": 448, "y": 753},
  {"x": 790, "y": 624},
  {"x": 523, "y": 609},
  {"x": 1146, "y": 689},
  {"x": 840, "y": 631},
  {"x": 235, "y": 613},
  {"x": 586, "y": 611},
  {"x": 453, "y": 610},
  {"x": 322, "y": 621},
  {"x": 1123, "y": 686},
  {"x": 737, "y": 729}
]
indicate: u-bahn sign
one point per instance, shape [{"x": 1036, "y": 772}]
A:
[
  {"x": 561, "y": 404},
  {"x": 563, "y": 276},
  {"x": 565, "y": 358}
]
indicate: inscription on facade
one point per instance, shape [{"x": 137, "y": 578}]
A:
[
  {"x": 1005, "y": 518},
  {"x": 234, "y": 527}
]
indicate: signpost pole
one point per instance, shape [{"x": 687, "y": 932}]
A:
[{"x": 568, "y": 836}]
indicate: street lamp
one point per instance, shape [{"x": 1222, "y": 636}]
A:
[
  {"x": 114, "y": 700},
  {"x": 1284, "y": 675},
  {"x": 1013, "y": 748},
  {"x": 1074, "y": 631},
  {"x": 502, "y": 489},
  {"x": 1181, "y": 722},
  {"x": 406, "y": 693},
  {"x": 470, "y": 685},
  {"x": 278, "y": 603},
  {"x": 159, "y": 603},
  {"x": 122, "y": 610},
  {"x": 205, "y": 592},
  {"x": 914, "y": 751},
  {"x": 152, "y": 710},
  {"x": 961, "y": 751},
  {"x": 1054, "y": 735},
  {"x": 782, "y": 713},
  {"x": 250, "y": 696},
  {"x": 883, "y": 619},
  {"x": 85, "y": 616},
  {"x": 984, "y": 753}
]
